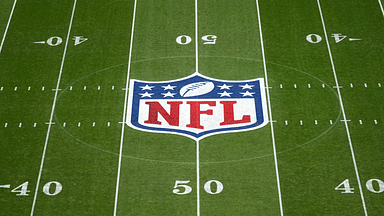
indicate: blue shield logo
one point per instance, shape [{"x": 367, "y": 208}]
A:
[{"x": 197, "y": 106}]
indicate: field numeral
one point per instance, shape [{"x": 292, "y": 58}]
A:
[
  {"x": 371, "y": 188},
  {"x": 347, "y": 188},
  {"x": 373, "y": 185},
  {"x": 208, "y": 188},
  {"x": 188, "y": 189},
  {"x": 47, "y": 187},
  {"x": 54, "y": 41},
  {"x": 314, "y": 38},
  {"x": 338, "y": 37},
  {"x": 22, "y": 189},
  {"x": 79, "y": 39},
  {"x": 185, "y": 39},
  {"x": 209, "y": 39}
]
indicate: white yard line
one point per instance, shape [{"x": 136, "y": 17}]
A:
[
  {"x": 197, "y": 141},
  {"x": 270, "y": 111},
  {"x": 6, "y": 28},
  {"x": 342, "y": 108},
  {"x": 53, "y": 108},
  {"x": 198, "y": 176},
  {"x": 125, "y": 110},
  {"x": 196, "y": 38},
  {"x": 381, "y": 6}
]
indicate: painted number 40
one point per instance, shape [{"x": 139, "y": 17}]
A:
[
  {"x": 373, "y": 185},
  {"x": 51, "y": 189},
  {"x": 181, "y": 187}
]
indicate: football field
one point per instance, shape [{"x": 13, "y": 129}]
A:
[{"x": 193, "y": 107}]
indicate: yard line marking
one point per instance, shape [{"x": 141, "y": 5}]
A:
[
  {"x": 342, "y": 108},
  {"x": 381, "y": 6},
  {"x": 196, "y": 39},
  {"x": 197, "y": 141},
  {"x": 198, "y": 176},
  {"x": 269, "y": 109},
  {"x": 53, "y": 109},
  {"x": 6, "y": 28},
  {"x": 125, "y": 110}
]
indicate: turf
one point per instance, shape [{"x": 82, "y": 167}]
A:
[{"x": 313, "y": 145}]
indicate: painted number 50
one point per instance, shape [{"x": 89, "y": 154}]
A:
[{"x": 181, "y": 187}]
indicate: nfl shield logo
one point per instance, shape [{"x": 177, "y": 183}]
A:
[{"x": 197, "y": 106}]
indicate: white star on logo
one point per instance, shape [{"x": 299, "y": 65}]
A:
[
  {"x": 246, "y": 86},
  {"x": 146, "y": 87},
  {"x": 146, "y": 94},
  {"x": 224, "y": 87},
  {"x": 168, "y": 94},
  {"x": 247, "y": 93},
  {"x": 225, "y": 93},
  {"x": 169, "y": 87}
]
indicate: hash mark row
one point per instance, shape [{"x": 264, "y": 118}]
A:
[
  {"x": 323, "y": 85},
  {"x": 43, "y": 88}
]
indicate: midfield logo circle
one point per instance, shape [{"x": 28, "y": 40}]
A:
[{"x": 197, "y": 106}]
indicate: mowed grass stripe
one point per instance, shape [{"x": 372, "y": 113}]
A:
[
  {"x": 152, "y": 162},
  {"x": 19, "y": 63},
  {"x": 355, "y": 62},
  {"x": 270, "y": 111},
  {"x": 345, "y": 120},
  {"x": 123, "y": 122},
  {"x": 84, "y": 159},
  {"x": 306, "y": 153},
  {"x": 243, "y": 162},
  {"x": 53, "y": 109}
]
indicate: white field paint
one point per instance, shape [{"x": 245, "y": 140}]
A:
[
  {"x": 125, "y": 110},
  {"x": 6, "y": 28},
  {"x": 197, "y": 141},
  {"x": 53, "y": 110},
  {"x": 381, "y": 6},
  {"x": 342, "y": 109},
  {"x": 270, "y": 110}
]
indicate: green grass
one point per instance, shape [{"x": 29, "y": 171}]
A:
[{"x": 312, "y": 158}]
